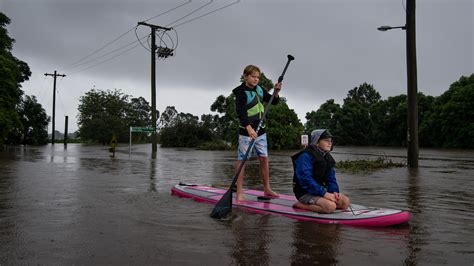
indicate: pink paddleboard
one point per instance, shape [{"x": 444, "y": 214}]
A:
[{"x": 358, "y": 216}]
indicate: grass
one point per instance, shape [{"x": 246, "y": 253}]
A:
[{"x": 367, "y": 165}]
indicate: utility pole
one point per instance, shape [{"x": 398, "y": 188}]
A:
[
  {"x": 54, "y": 101},
  {"x": 65, "y": 131},
  {"x": 412, "y": 87},
  {"x": 154, "y": 28}
]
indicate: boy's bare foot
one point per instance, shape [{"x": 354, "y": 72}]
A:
[
  {"x": 299, "y": 205},
  {"x": 312, "y": 207},
  {"x": 270, "y": 193},
  {"x": 241, "y": 197}
]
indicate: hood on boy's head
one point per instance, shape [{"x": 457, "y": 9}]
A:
[{"x": 319, "y": 134}]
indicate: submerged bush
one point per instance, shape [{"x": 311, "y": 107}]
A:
[{"x": 367, "y": 165}]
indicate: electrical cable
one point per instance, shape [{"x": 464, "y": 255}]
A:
[
  {"x": 169, "y": 10},
  {"x": 163, "y": 42},
  {"x": 111, "y": 52},
  {"x": 98, "y": 50},
  {"x": 120, "y": 36},
  {"x": 216, "y": 10},
  {"x": 133, "y": 47},
  {"x": 192, "y": 12},
  {"x": 139, "y": 40}
]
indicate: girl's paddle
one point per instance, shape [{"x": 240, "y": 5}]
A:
[{"x": 224, "y": 205}]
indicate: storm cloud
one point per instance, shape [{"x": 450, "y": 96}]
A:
[{"x": 336, "y": 45}]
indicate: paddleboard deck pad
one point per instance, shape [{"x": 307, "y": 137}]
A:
[{"x": 256, "y": 202}]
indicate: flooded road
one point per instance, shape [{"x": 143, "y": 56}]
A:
[{"x": 81, "y": 206}]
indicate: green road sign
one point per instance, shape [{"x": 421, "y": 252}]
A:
[{"x": 143, "y": 129}]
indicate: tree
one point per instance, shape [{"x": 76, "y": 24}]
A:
[
  {"x": 139, "y": 112},
  {"x": 327, "y": 117},
  {"x": 356, "y": 122},
  {"x": 226, "y": 125},
  {"x": 34, "y": 121},
  {"x": 389, "y": 118},
  {"x": 364, "y": 95},
  {"x": 284, "y": 129},
  {"x": 105, "y": 113},
  {"x": 187, "y": 118},
  {"x": 12, "y": 72},
  {"x": 425, "y": 109},
  {"x": 184, "y": 134},
  {"x": 183, "y": 129},
  {"x": 451, "y": 123},
  {"x": 211, "y": 122},
  {"x": 168, "y": 117},
  {"x": 139, "y": 115}
]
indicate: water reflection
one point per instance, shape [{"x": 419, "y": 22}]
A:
[
  {"x": 152, "y": 175},
  {"x": 251, "y": 240},
  {"x": 414, "y": 244},
  {"x": 8, "y": 229},
  {"x": 413, "y": 196},
  {"x": 315, "y": 244}
]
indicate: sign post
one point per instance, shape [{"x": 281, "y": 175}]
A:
[
  {"x": 304, "y": 140},
  {"x": 139, "y": 130}
]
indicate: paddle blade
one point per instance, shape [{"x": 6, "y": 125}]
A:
[{"x": 223, "y": 206}]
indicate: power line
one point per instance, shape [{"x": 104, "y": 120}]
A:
[
  {"x": 139, "y": 39},
  {"x": 216, "y": 10},
  {"x": 98, "y": 50},
  {"x": 169, "y": 10},
  {"x": 111, "y": 52},
  {"x": 192, "y": 12},
  {"x": 123, "y": 34},
  {"x": 133, "y": 47}
]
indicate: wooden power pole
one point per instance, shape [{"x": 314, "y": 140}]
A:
[
  {"x": 54, "y": 101},
  {"x": 412, "y": 87},
  {"x": 154, "y": 28}
]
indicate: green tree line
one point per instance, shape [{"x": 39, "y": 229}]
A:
[{"x": 364, "y": 118}]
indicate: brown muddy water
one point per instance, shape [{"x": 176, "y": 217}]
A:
[{"x": 81, "y": 206}]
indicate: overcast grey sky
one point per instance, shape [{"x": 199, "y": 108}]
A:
[{"x": 336, "y": 45}]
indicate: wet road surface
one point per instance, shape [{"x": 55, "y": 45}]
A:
[{"x": 81, "y": 206}]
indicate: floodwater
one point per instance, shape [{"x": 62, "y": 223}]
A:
[{"x": 81, "y": 206}]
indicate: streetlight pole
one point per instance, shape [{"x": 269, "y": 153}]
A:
[
  {"x": 412, "y": 87},
  {"x": 412, "y": 95}
]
